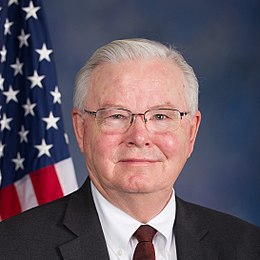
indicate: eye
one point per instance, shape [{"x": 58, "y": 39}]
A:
[
  {"x": 117, "y": 117},
  {"x": 159, "y": 117}
]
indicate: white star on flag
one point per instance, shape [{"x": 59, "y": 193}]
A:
[
  {"x": 51, "y": 121},
  {"x": 31, "y": 11},
  {"x": 1, "y": 82},
  {"x": 23, "y": 39},
  {"x": 44, "y": 148},
  {"x": 18, "y": 161},
  {"x": 56, "y": 95},
  {"x": 29, "y": 107},
  {"x": 2, "y": 146},
  {"x": 36, "y": 79},
  {"x": 44, "y": 53},
  {"x": 7, "y": 26},
  {"x": 23, "y": 135},
  {"x": 11, "y": 94},
  {"x": 13, "y": 2},
  {"x": 17, "y": 67},
  {"x": 3, "y": 53},
  {"x": 5, "y": 123}
]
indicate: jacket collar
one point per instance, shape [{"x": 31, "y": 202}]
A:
[
  {"x": 192, "y": 235},
  {"x": 191, "y": 232},
  {"x": 82, "y": 220}
]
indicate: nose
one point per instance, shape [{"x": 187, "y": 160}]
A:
[{"x": 137, "y": 134}]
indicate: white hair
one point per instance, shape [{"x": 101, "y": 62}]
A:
[{"x": 133, "y": 49}]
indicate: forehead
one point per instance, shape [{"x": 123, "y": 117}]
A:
[{"x": 142, "y": 83}]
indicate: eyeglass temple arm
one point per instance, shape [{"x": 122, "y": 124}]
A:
[{"x": 182, "y": 114}]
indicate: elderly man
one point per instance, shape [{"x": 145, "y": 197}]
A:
[{"x": 136, "y": 119}]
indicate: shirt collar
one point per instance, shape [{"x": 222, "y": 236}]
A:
[
  {"x": 118, "y": 227},
  {"x": 164, "y": 221}
]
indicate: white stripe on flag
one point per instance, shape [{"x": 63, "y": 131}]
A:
[
  {"x": 66, "y": 175},
  {"x": 26, "y": 194}
]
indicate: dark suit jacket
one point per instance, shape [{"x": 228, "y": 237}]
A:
[{"x": 69, "y": 228}]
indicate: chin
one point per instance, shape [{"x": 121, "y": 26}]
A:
[{"x": 140, "y": 183}]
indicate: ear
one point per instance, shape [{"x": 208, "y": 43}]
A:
[
  {"x": 78, "y": 124},
  {"x": 195, "y": 123}
]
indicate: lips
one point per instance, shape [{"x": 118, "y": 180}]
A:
[
  {"x": 142, "y": 156},
  {"x": 137, "y": 163},
  {"x": 138, "y": 160}
]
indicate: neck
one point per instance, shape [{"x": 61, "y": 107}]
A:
[{"x": 141, "y": 206}]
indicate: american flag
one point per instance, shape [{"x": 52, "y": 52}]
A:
[{"x": 35, "y": 163}]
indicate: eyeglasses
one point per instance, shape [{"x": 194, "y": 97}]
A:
[{"x": 118, "y": 120}]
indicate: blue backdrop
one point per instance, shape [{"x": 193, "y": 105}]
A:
[{"x": 221, "y": 40}]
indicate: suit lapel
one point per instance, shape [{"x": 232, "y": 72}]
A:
[
  {"x": 191, "y": 235},
  {"x": 81, "y": 219}
]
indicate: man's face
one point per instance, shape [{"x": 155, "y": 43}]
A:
[{"x": 137, "y": 161}]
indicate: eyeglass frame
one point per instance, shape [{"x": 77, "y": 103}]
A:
[{"x": 133, "y": 115}]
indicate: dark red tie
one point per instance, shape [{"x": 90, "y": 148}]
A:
[{"x": 144, "y": 249}]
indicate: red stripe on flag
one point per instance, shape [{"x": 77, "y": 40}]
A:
[
  {"x": 46, "y": 184},
  {"x": 9, "y": 202}
]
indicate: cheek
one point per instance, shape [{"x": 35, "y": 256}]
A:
[
  {"x": 171, "y": 145},
  {"x": 103, "y": 148}
]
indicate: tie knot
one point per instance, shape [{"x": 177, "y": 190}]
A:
[{"x": 145, "y": 233}]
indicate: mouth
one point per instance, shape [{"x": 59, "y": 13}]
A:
[{"x": 138, "y": 161}]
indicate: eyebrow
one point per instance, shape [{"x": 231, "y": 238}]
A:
[
  {"x": 163, "y": 105},
  {"x": 108, "y": 105}
]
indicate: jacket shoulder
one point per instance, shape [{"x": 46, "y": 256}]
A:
[
  {"x": 215, "y": 219},
  {"x": 38, "y": 214},
  {"x": 221, "y": 228},
  {"x": 40, "y": 227}
]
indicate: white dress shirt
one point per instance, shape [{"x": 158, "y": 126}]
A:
[{"x": 119, "y": 227}]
